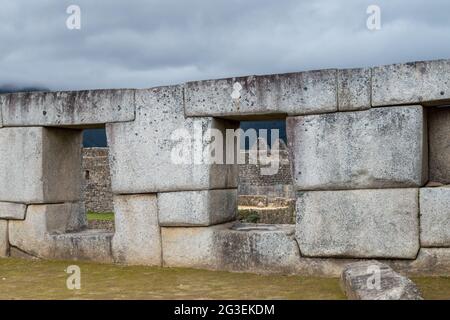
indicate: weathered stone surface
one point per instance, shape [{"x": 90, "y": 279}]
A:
[
  {"x": 271, "y": 215},
  {"x": 435, "y": 217},
  {"x": 91, "y": 245},
  {"x": 439, "y": 144},
  {"x": 354, "y": 86},
  {"x": 377, "y": 148},
  {"x": 425, "y": 82},
  {"x": 33, "y": 235},
  {"x": 4, "y": 242},
  {"x": 40, "y": 165},
  {"x": 253, "y": 248},
  {"x": 298, "y": 93},
  {"x": 197, "y": 208},
  {"x": 372, "y": 280},
  {"x": 137, "y": 239},
  {"x": 68, "y": 108},
  {"x": 12, "y": 211},
  {"x": 140, "y": 151},
  {"x": 378, "y": 223}
]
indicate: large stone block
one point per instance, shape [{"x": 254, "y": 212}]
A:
[
  {"x": 425, "y": 82},
  {"x": 197, "y": 208},
  {"x": 40, "y": 165},
  {"x": 137, "y": 239},
  {"x": 379, "y": 223},
  {"x": 298, "y": 93},
  {"x": 90, "y": 245},
  {"x": 354, "y": 86},
  {"x": 4, "y": 241},
  {"x": 435, "y": 217},
  {"x": 372, "y": 280},
  {"x": 12, "y": 211},
  {"x": 377, "y": 148},
  {"x": 74, "y": 108},
  {"x": 33, "y": 235},
  {"x": 251, "y": 248},
  {"x": 439, "y": 144},
  {"x": 141, "y": 151}
]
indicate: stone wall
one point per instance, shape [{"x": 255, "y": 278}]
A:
[
  {"x": 96, "y": 177},
  {"x": 368, "y": 152},
  {"x": 252, "y": 182}
]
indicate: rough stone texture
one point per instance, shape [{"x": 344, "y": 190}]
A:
[
  {"x": 298, "y": 93},
  {"x": 140, "y": 151},
  {"x": 252, "y": 182},
  {"x": 378, "y": 223},
  {"x": 262, "y": 249},
  {"x": 12, "y": 211},
  {"x": 354, "y": 89},
  {"x": 4, "y": 242},
  {"x": 97, "y": 194},
  {"x": 68, "y": 108},
  {"x": 429, "y": 262},
  {"x": 91, "y": 245},
  {"x": 377, "y": 148},
  {"x": 439, "y": 144},
  {"x": 33, "y": 235},
  {"x": 137, "y": 239},
  {"x": 435, "y": 217},
  {"x": 197, "y": 208},
  {"x": 409, "y": 83},
  {"x": 39, "y": 165},
  {"x": 359, "y": 282},
  {"x": 270, "y": 215}
]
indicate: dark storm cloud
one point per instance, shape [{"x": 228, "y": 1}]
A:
[{"x": 147, "y": 43}]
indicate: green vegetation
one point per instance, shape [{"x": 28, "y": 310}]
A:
[
  {"x": 37, "y": 279},
  {"x": 100, "y": 216}
]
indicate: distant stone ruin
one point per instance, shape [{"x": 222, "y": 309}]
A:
[
  {"x": 369, "y": 155},
  {"x": 97, "y": 193}
]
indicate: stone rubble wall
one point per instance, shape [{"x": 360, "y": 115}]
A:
[
  {"x": 368, "y": 150},
  {"x": 97, "y": 194}
]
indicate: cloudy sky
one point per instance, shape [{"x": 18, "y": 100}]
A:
[{"x": 145, "y": 43}]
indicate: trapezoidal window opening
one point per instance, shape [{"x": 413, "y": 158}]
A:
[
  {"x": 265, "y": 189},
  {"x": 96, "y": 180}
]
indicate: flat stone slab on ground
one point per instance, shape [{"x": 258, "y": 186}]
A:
[
  {"x": 257, "y": 249},
  {"x": 372, "y": 280}
]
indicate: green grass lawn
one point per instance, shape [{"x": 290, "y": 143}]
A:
[
  {"x": 103, "y": 216},
  {"x": 38, "y": 279}
]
